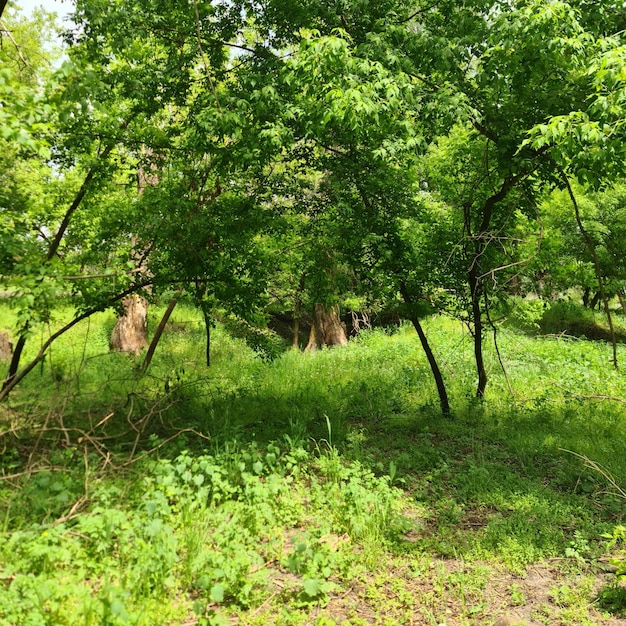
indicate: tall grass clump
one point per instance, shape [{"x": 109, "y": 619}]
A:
[{"x": 261, "y": 487}]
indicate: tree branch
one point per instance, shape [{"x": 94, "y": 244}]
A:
[
  {"x": 483, "y": 130},
  {"x": 418, "y": 12},
  {"x": 10, "y": 36},
  {"x": 424, "y": 80},
  {"x": 56, "y": 242},
  {"x": 596, "y": 263},
  {"x": 9, "y": 384}
]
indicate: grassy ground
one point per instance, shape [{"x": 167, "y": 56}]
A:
[{"x": 314, "y": 489}]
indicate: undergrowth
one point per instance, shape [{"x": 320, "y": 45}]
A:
[
  {"x": 211, "y": 531},
  {"x": 314, "y": 488}
]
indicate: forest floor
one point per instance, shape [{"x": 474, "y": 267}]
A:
[{"x": 318, "y": 489}]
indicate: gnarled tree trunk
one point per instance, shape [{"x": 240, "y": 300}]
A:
[
  {"x": 131, "y": 331},
  {"x": 327, "y": 329},
  {"x": 6, "y": 347}
]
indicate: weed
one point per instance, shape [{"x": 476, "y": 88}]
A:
[
  {"x": 518, "y": 597},
  {"x": 612, "y": 598},
  {"x": 327, "y": 480}
]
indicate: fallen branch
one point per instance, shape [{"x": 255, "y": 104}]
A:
[
  {"x": 163, "y": 443},
  {"x": 581, "y": 396}
]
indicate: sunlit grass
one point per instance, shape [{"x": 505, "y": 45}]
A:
[{"x": 320, "y": 472}]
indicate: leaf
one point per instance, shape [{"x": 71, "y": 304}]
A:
[
  {"x": 118, "y": 609},
  {"x": 312, "y": 587},
  {"x": 217, "y": 593}
]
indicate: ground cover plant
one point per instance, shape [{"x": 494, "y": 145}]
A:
[
  {"x": 276, "y": 165},
  {"x": 319, "y": 488}
]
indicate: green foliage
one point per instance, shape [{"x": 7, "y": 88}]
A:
[
  {"x": 268, "y": 344},
  {"x": 574, "y": 320},
  {"x": 526, "y": 314},
  {"x": 367, "y": 485},
  {"x": 588, "y": 139},
  {"x": 613, "y": 596},
  {"x": 388, "y": 145},
  {"x": 257, "y": 157},
  {"x": 209, "y": 527}
]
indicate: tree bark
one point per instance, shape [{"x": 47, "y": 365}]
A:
[
  {"x": 131, "y": 330},
  {"x": 207, "y": 325},
  {"x": 6, "y": 347},
  {"x": 622, "y": 302},
  {"x": 594, "y": 301},
  {"x": 430, "y": 357},
  {"x": 297, "y": 312},
  {"x": 295, "y": 344},
  {"x": 474, "y": 278},
  {"x": 327, "y": 329},
  {"x": 14, "y": 365},
  {"x": 158, "y": 333},
  {"x": 441, "y": 386},
  {"x": 586, "y": 294},
  {"x": 56, "y": 242},
  {"x": 475, "y": 296}
]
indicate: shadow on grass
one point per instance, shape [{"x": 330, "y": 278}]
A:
[{"x": 494, "y": 483}]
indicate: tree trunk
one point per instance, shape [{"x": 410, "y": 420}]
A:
[
  {"x": 475, "y": 281},
  {"x": 296, "y": 331},
  {"x": 620, "y": 297},
  {"x": 594, "y": 301},
  {"x": 15, "y": 362},
  {"x": 475, "y": 293},
  {"x": 207, "y": 325},
  {"x": 596, "y": 264},
  {"x": 430, "y": 357},
  {"x": 297, "y": 312},
  {"x": 131, "y": 331},
  {"x": 327, "y": 329},
  {"x": 157, "y": 334},
  {"x": 441, "y": 386},
  {"x": 586, "y": 295}
]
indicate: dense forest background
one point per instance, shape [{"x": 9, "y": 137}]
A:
[{"x": 197, "y": 199}]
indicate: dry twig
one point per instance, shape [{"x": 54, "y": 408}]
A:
[{"x": 596, "y": 467}]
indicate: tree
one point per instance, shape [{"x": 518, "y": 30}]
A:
[
  {"x": 403, "y": 143},
  {"x": 602, "y": 214},
  {"x": 513, "y": 66},
  {"x": 23, "y": 197}
]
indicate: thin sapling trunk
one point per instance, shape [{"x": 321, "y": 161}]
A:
[
  {"x": 158, "y": 333},
  {"x": 596, "y": 265},
  {"x": 430, "y": 357}
]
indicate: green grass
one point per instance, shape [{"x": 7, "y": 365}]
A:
[{"x": 312, "y": 489}]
